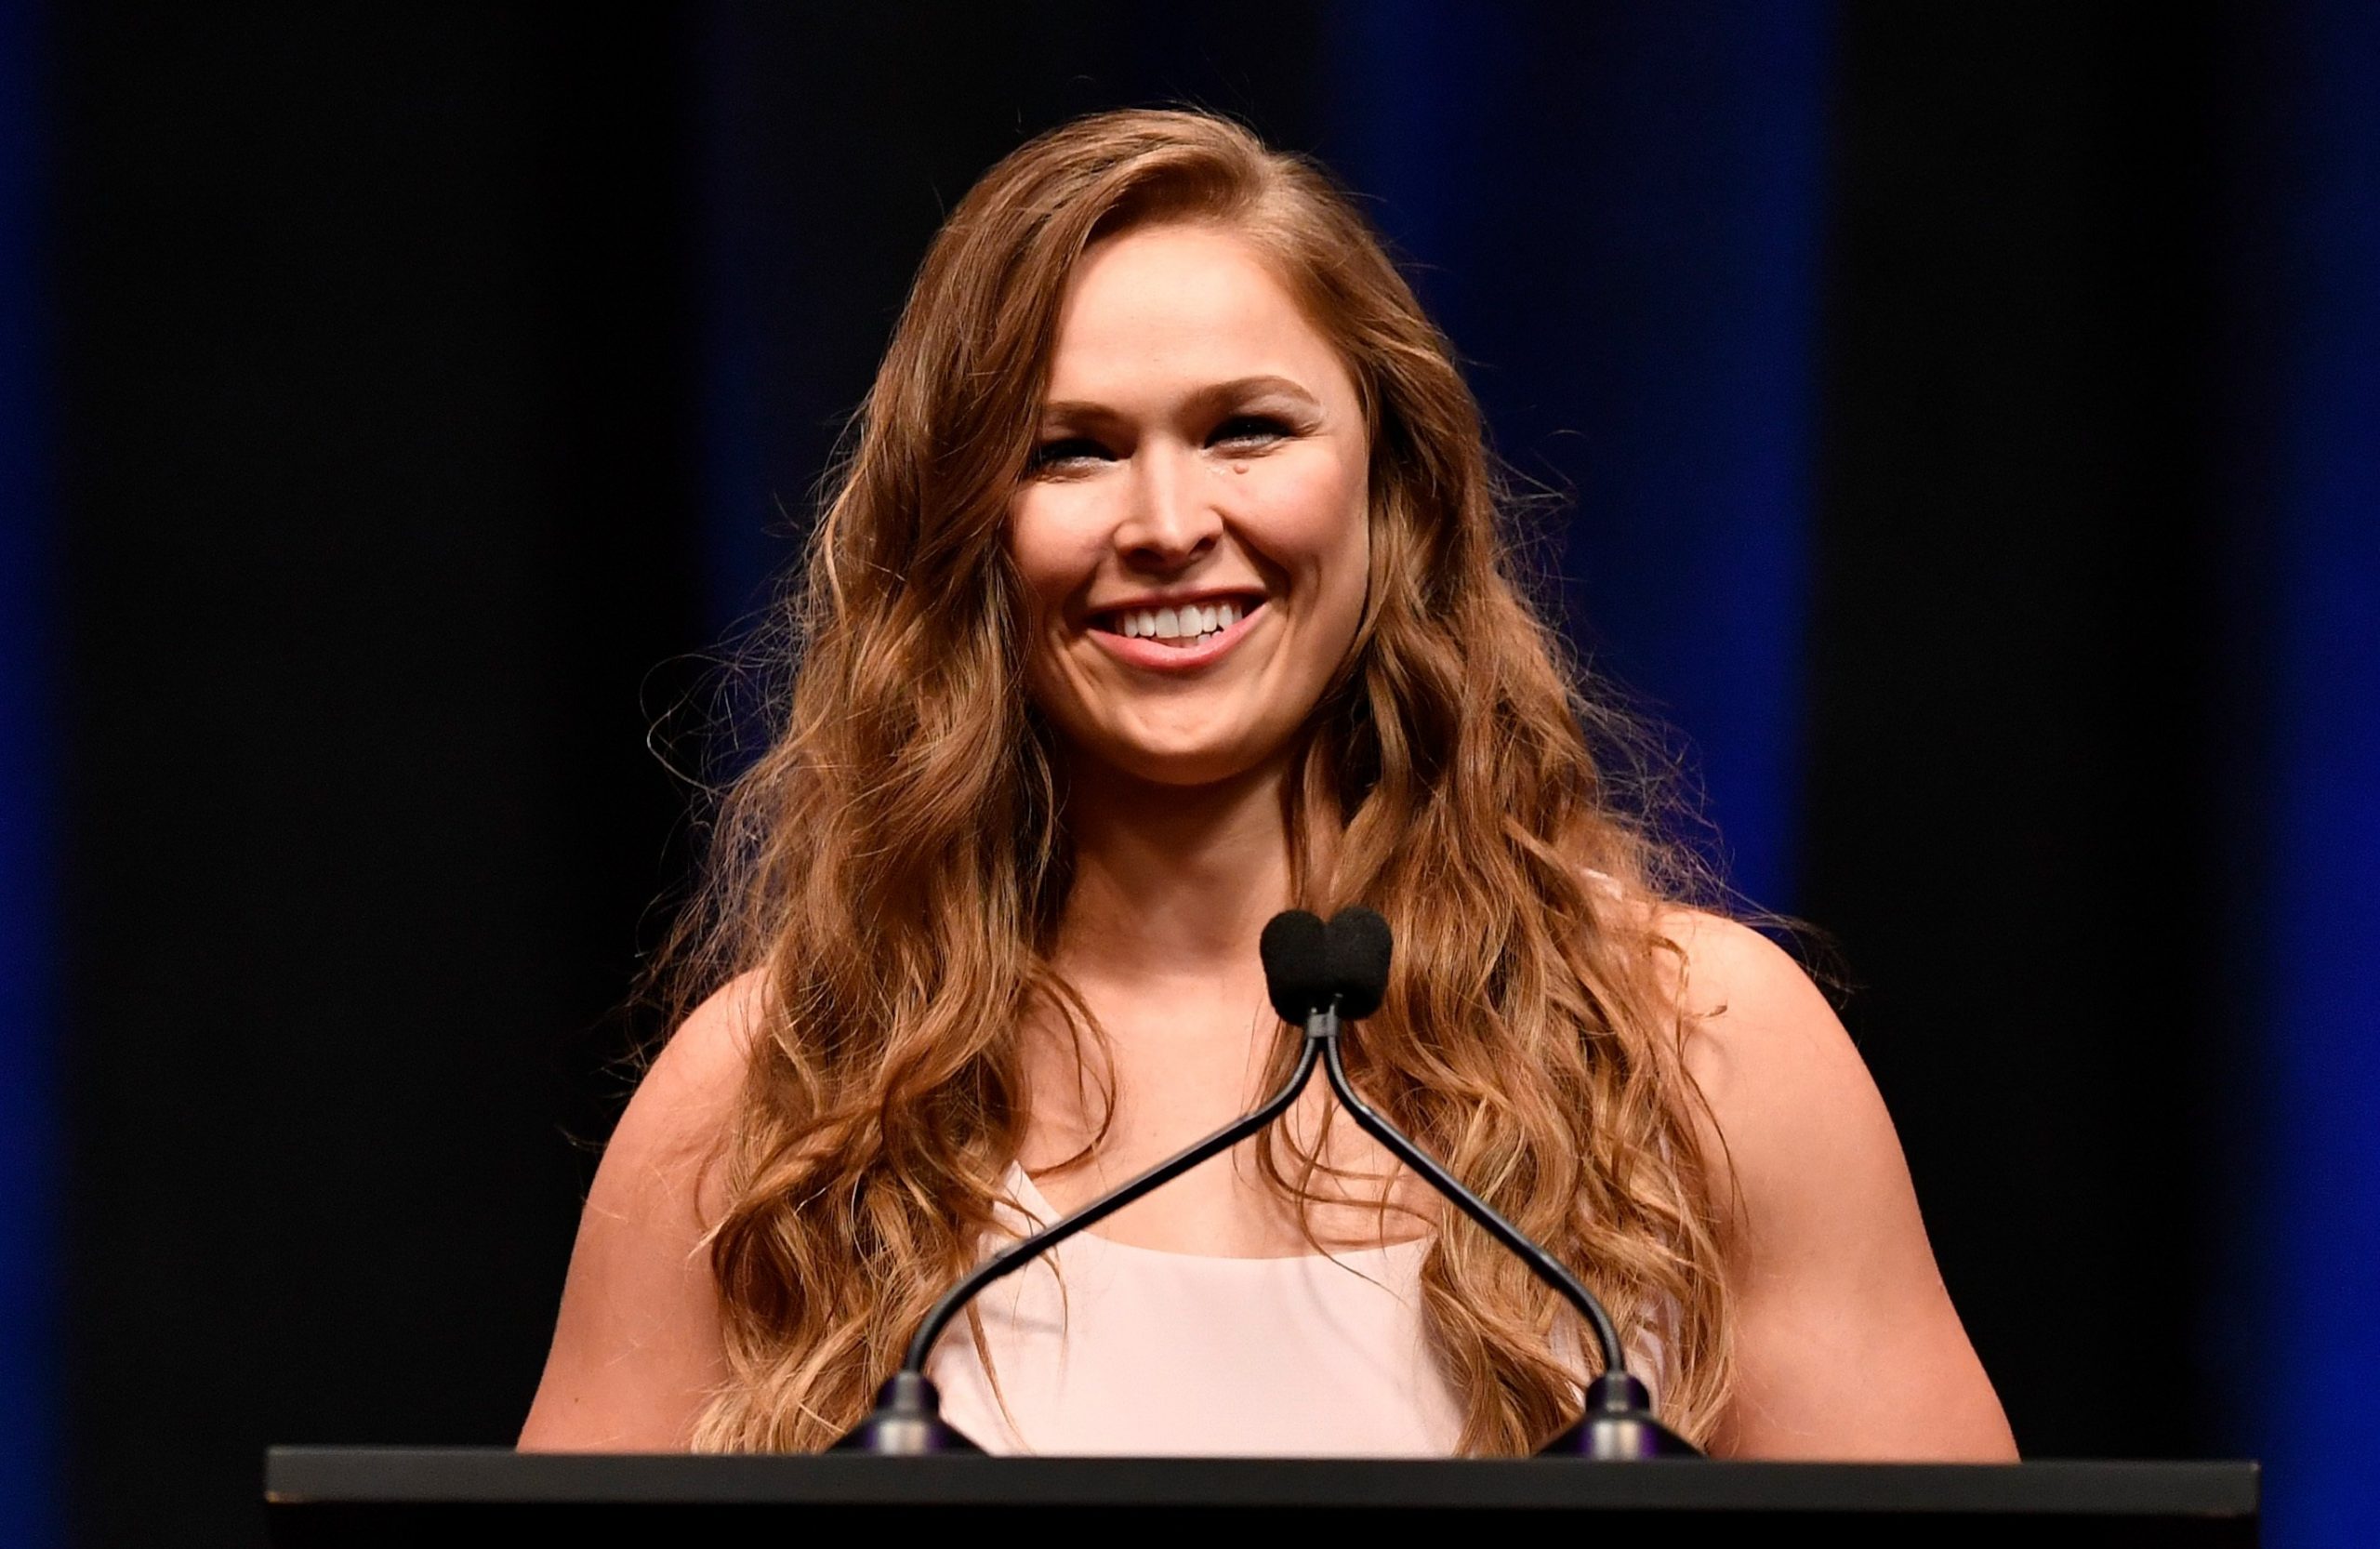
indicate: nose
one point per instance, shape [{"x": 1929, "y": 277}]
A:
[{"x": 1168, "y": 525}]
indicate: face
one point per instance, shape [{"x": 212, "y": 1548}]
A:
[{"x": 1191, "y": 532}]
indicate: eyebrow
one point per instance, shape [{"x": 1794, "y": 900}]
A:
[{"x": 1206, "y": 398}]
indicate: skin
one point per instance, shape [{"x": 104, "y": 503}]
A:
[{"x": 1202, "y": 435}]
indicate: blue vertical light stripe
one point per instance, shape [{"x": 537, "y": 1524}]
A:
[
  {"x": 28, "y": 1508},
  {"x": 1616, "y": 211},
  {"x": 2316, "y": 302}
]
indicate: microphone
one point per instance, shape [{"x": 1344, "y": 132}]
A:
[
  {"x": 1317, "y": 977},
  {"x": 1348, "y": 985}
]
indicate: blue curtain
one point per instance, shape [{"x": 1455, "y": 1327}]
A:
[
  {"x": 1616, "y": 210},
  {"x": 27, "y": 1463},
  {"x": 2303, "y": 403}
]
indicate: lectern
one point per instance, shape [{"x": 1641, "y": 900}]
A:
[{"x": 342, "y": 1498}]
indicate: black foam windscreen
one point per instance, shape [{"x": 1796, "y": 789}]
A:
[
  {"x": 1296, "y": 954},
  {"x": 1356, "y": 949}
]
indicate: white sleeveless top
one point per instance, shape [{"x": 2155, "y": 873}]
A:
[{"x": 1102, "y": 1347}]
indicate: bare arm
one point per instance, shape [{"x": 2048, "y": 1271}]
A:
[
  {"x": 1846, "y": 1344},
  {"x": 636, "y": 1350}
]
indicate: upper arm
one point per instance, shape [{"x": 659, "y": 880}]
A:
[
  {"x": 636, "y": 1350},
  {"x": 1847, "y": 1343}
]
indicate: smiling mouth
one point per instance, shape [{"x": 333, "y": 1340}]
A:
[{"x": 1183, "y": 627}]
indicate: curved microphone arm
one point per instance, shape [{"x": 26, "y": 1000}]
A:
[
  {"x": 1018, "y": 1254},
  {"x": 1324, "y": 1027}
]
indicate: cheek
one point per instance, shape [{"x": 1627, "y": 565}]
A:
[
  {"x": 1313, "y": 513},
  {"x": 1054, "y": 548},
  {"x": 1321, "y": 522}
]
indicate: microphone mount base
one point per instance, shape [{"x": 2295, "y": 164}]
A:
[
  {"x": 1618, "y": 1427},
  {"x": 907, "y": 1423}
]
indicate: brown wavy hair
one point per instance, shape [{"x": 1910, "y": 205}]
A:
[{"x": 898, "y": 889}]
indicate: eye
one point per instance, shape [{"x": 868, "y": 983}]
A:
[
  {"x": 1248, "y": 430},
  {"x": 1068, "y": 451}
]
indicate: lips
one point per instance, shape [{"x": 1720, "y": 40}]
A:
[{"x": 1178, "y": 638}]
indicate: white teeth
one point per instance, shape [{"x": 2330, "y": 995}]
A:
[{"x": 1184, "y": 624}]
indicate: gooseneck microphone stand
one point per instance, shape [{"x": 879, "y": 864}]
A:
[
  {"x": 907, "y": 1418},
  {"x": 1319, "y": 977},
  {"x": 1620, "y": 1421}
]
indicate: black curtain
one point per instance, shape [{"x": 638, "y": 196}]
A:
[
  {"x": 376, "y": 431},
  {"x": 2008, "y": 819}
]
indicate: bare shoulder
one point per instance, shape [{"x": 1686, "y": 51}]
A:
[
  {"x": 688, "y": 1096},
  {"x": 712, "y": 1047},
  {"x": 1726, "y": 972},
  {"x": 1847, "y": 1345},
  {"x": 636, "y": 1346},
  {"x": 1772, "y": 1060}
]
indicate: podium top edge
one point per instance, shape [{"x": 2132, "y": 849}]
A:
[{"x": 297, "y": 1476}]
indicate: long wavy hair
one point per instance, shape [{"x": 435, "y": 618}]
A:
[{"x": 894, "y": 865}]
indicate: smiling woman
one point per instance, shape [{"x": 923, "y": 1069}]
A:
[
  {"x": 1164, "y": 591},
  {"x": 1203, "y": 451}
]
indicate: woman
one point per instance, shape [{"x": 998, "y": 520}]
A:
[{"x": 1163, "y": 592}]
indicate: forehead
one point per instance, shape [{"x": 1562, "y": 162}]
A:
[{"x": 1173, "y": 308}]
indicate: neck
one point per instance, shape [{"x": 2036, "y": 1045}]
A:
[{"x": 1172, "y": 880}]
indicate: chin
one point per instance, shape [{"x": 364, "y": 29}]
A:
[{"x": 1186, "y": 765}]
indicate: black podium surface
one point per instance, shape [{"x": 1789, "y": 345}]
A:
[{"x": 320, "y": 1496}]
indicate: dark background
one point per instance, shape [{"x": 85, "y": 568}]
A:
[{"x": 1960, "y": 418}]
